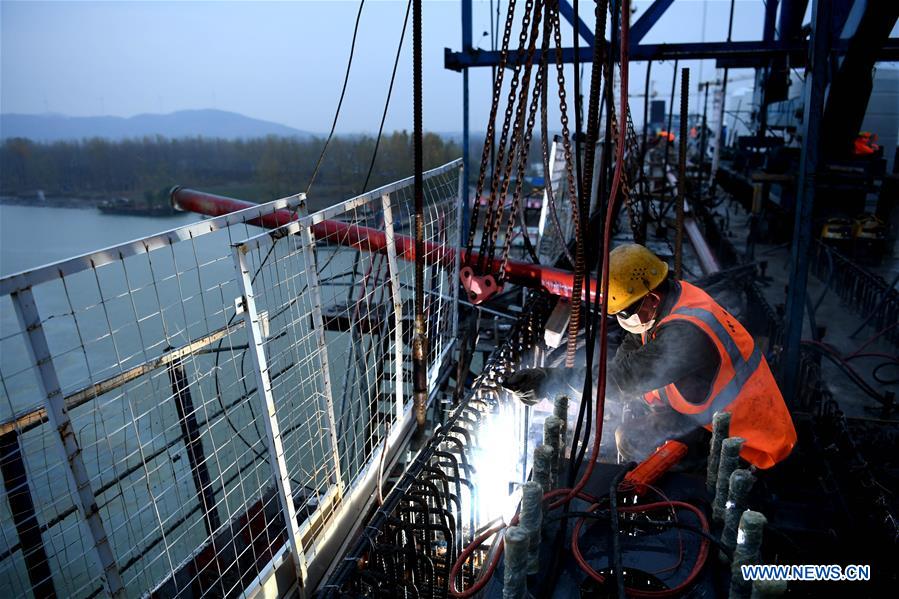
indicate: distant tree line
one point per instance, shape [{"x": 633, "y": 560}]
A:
[{"x": 272, "y": 166}]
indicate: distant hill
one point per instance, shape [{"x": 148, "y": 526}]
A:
[{"x": 184, "y": 123}]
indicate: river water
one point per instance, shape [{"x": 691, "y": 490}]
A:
[
  {"x": 129, "y": 312},
  {"x": 34, "y": 236}
]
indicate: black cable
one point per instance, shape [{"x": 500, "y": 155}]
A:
[
  {"x": 396, "y": 63},
  {"x": 837, "y": 360},
  {"x": 615, "y": 539},
  {"x": 346, "y": 79},
  {"x": 604, "y": 515}
]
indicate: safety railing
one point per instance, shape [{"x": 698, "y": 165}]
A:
[
  {"x": 161, "y": 410},
  {"x": 867, "y": 294},
  {"x": 338, "y": 325},
  {"x": 461, "y": 482}
]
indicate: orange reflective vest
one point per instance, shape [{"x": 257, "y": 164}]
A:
[{"x": 743, "y": 386}]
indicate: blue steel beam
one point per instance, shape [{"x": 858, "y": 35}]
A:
[
  {"x": 466, "y": 158},
  {"x": 567, "y": 11},
  {"x": 815, "y": 87},
  {"x": 649, "y": 18},
  {"x": 731, "y": 54}
]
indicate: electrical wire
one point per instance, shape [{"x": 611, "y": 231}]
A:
[
  {"x": 396, "y": 63},
  {"x": 606, "y": 515},
  {"x": 835, "y": 358},
  {"x": 614, "y": 539},
  {"x": 676, "y": 591},
  {"x": 346, "y": 79}
]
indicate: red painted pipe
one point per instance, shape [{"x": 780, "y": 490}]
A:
[{"x": 555, "y": 280}]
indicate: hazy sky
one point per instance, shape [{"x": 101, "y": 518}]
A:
[{"x": 280, "y": 61}]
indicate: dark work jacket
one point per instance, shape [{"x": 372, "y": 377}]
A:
[{"x": 680, "y": 353}]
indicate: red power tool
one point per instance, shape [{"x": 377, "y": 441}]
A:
[{"x": 652, "y": 468}]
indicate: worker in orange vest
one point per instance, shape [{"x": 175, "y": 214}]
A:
[
  {"x": 666, "y": 135},
  {"x": 684, "y": 359}
]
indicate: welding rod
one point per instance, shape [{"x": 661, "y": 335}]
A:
[
  {"x": 747, "y": 551},
  {"x": 515, "y": 581},
  {"x": 720, "y": 432},
  {"x": 730, "y": 459}
]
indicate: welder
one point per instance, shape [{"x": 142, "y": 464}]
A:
[{"x": 684, "y": 357}]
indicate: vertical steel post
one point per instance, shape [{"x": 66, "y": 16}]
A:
[
  {"x": 318, "y": 322},
  {"x": 420, "y": 349},
  {"x": 463, "y": 186},
  {"x": 719, "y": 132},
  {"x": 21, "y": 505},
  {"x": 196, "y": 456},
  {"x": 393, "y": 273},
  {"x": 269, "y": 414},
  {"x": 815, "y": 86},
  {"x": 681, "y": 172},
  {"x": 76, "y": 473},
  {"x": 466, "y": 207}
]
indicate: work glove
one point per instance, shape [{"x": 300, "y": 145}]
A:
[{"x": 530, "y": 385}]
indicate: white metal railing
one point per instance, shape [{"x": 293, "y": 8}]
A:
[{"x": 178, "y": 410}]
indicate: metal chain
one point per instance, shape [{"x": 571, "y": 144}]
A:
[
  {"x": 500, "y": 154},
  {"x": 491, "y": 129},
  {"x": 526, "y": 143},
  {"x": 575, "y": 321},
  {"x": 513, "y": 146}
]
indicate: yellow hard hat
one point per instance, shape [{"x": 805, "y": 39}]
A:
[{"x": 634, "y": 271}]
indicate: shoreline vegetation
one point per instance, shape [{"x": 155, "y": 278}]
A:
[{"x": 87, "y": 173}]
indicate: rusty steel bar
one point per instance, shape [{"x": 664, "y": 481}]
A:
[{"x": 556, "y": 281}]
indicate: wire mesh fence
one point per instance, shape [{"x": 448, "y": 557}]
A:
[{"x": 136, "y": 445}]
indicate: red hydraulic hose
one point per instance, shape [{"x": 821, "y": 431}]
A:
[
  {"x": 491, "y": 568},
  {"x": 576, "y": 491},
  {"x": 556, "y": 281},
  {"x": 676, "y": 591},
  {"x": 607, "y": 242}
]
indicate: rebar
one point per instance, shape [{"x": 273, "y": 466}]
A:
[
  {"x": 740, "y": 484},
  {"x": 560, "y": 411},
  {"x": 768, "y": 589},
  {"x": 720, "y": 432},
  {"x": 730, "y": 459},
  {"x": 681, "y": 171},
  {"x": 531, "y": 520},
  {"x": 552, "y": 429},
  {"x": 543, "y": 459},
  {"x": 515, "y": 581},
  {"x": 747, "y": 551}
]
